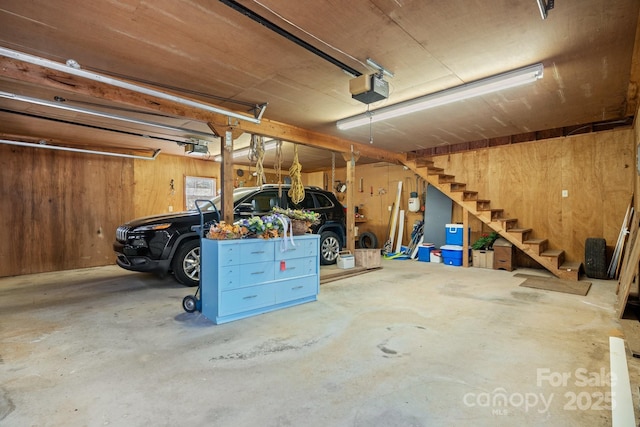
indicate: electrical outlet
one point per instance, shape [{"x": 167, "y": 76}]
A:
[
  {"x": 170, "y": 208},
  {"x": 389, "y": 208},
  {"x": 565, "y": 193}
]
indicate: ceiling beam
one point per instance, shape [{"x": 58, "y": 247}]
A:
[{"x": 54, "y": 79}]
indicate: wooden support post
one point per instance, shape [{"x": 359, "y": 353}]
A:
[
  {"x": 351, "y": 158},
  {"x": 227, "y": 136},
  {"x": 465, "y": 238}
]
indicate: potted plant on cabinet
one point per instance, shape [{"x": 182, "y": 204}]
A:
[{"x": 482, "y": 250}]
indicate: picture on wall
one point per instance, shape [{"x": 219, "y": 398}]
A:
[{"x": 198, "y": 188}]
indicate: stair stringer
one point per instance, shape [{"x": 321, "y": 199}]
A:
[{"x": 456, "y": 191}]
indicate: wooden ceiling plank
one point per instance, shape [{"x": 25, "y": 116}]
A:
[{"x": 35, "y": 74}]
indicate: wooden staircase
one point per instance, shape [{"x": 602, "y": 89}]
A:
[{"x": 508, "y": 228}]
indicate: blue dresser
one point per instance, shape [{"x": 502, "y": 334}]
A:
[{"x": 241, "y": 278}]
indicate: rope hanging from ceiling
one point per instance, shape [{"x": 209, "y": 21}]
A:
[
  {"x": 258, "y": 146},
  {"x": 278, "y": 167},
  {"x": 296, "y": 192}
]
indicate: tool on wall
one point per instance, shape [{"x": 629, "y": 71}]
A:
[{"x": 172, "y": 193}]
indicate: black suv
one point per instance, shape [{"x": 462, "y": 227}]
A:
[{"x": 170, "y": 242}]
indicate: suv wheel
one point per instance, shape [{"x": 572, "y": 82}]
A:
[
  {"x": 329, "y": 247},
  {"x": 186, "y": 263}
]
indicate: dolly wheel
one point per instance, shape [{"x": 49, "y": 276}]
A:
[{"x": 189, "y": 303}]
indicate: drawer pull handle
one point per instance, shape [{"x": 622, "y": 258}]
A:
[
  {"x": 257, "y": 252},
  {"x": 296, "y": 287},
  {"x": 258, "y": 272},
  {"x": 250, "y": 296}
]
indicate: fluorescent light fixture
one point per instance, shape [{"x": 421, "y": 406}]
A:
[
  {"x": 495, "y": 83},
  {"x": 96, "y": 113},
  {"x": 79, "y": 150},
  {"x": 270, "y": 145},
  {"x": 545, "y": 7},
  {"x": 70, "y": 69}
]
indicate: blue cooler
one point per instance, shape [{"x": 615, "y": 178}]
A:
[
  {"x": 424, "y": 252},
  {"x": 452, "y": 254},
  {"x": 454, "y": 234}
]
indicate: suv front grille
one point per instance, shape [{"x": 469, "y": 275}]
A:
[{"x": 121, "y": 233}]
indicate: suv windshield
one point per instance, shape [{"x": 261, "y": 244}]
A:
[{"x": 238, "y": 194}]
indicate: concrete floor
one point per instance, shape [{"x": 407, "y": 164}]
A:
[{"x": 413, "y": 344}]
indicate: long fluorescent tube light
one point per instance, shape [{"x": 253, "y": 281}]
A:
[
  {"x": 66, "y": 107},
  {"x": 245, "y": 151},
  {"x": 543, "y": 9},
  {"x": 80, "y": 150},
  {"x": 124, "y": 85},
  {"x": 495, "y": 83}
]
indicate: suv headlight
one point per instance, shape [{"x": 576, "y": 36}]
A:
[{"x": 153, "y": 227}]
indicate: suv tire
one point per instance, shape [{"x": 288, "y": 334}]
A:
[
  {"x": 329, "y": 247},
  {"x": 186, "y": 263}
]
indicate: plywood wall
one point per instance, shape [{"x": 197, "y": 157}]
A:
[
  {"x": 152, "y": 182},
  {"x": 527, "y": 180},
  {"x": 60, "y": 210},
  {"x": 376, "y": 186}
]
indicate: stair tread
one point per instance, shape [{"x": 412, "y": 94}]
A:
[
  {"x": 421, "y": 163},
  {"x": 552, "y": 252},
  {"x": 534, "y": 241},
  {"x": 507, "y": 219},
  {"x": 519, "y": 230},
  {"x": 571, "y": 265},
  {"x": 490, "y": 209}
]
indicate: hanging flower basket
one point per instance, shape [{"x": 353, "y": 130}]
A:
[{"x": 300, "y": 227}]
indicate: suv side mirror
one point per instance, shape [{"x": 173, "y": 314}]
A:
[{"x": 244, "y": 209}]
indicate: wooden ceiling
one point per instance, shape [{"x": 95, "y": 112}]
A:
[{"x": 207, "y": 50}]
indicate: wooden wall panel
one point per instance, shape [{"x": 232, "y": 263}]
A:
[
  {"x": 636, "y": 133},
  {"x": 527, "y": 180},
  {"x": 379, "y": 187},
  {"x": 59, "y": 209},
  {"x": 152, "y": 181}
]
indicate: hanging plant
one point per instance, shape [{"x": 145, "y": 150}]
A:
[
  {"x": 485, "y": 241},
  {"x": 296, "y": 192}
]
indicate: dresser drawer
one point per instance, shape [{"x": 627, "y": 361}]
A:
[
  {"x": 257, "y": 272},
  {"x": 259, "y": 250},
  {"x": 303, "y": 248},
  {"x": 296, "y": 288},
  {"x": 229, "y": 254},
  {"x": 244, "y": 299},
  {"x": 289, "y": 268},
  {"x": 229, "y": 277}
]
